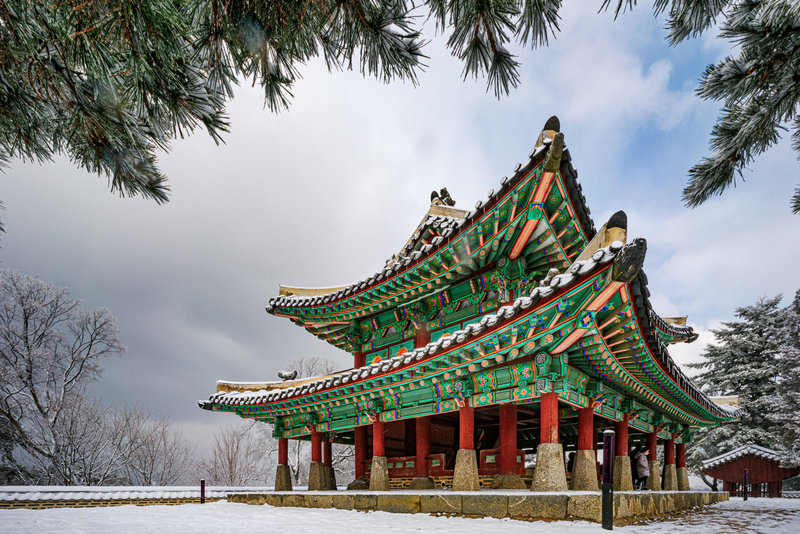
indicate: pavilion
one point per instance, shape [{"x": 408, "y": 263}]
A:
[{"x": 510, "y": 329}]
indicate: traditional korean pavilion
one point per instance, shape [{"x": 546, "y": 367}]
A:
[{"x": 511, "y": 329}]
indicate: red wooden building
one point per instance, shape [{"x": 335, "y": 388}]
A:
[{"x": 765, "y": 475}]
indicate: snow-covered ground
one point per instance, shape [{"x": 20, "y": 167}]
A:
[{"x": 768, "y": 516}]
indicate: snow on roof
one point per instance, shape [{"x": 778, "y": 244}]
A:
[
  {"x": 744, "y": 450},
  {"x": 266, "y": 385}
]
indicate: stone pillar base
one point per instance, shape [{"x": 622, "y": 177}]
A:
[
  {"x": 316, "y": 477},
  {"x": 683, "y": 479},
  {"x": 330, "y": 478},
  {"x": 379, "y": 476},
  {"x": 283, "y": 478},
  {"x": 623, "y": 480},
  {"x": 550, "y": 474},
  {"x": 508, "y": 482},
  {"x": 584, "y": 471},
  {"x": 670, "y": 482},
  {"x": 465, "y": 476},
  {"x": 654, "y": 480},
  {"x": 422, "y": 483}
]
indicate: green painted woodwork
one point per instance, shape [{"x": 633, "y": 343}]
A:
[{"x": 500, "y": 366}]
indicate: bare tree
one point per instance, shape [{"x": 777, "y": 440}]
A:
[
  {"x": 160, "y": 456},
  {"x": 49, "y": 350},
  {"x": 236, "y": 459}
]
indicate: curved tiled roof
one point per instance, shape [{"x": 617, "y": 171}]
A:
[
  {"x": 407, "y": 258},
  {"x": 578, "y": 269},
  {"x": 744, "y": 450}
]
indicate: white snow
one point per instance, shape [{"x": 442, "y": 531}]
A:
[{"x": 769, "y": 516}]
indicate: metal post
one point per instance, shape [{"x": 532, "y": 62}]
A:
[
  {"x": 746, "y": 482},
  {"x": 609, "y": 446},
  {"x": 202, "y": 491}
]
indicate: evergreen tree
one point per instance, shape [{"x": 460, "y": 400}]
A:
[
  {"x": 744, "y": 362},
  {"x": 109, "y": 82},
  {"x": 785, "y": 413}
]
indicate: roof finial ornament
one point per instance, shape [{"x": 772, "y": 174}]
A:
[
  {"x": 551, "y": 128},
  {"x": 629, "y": 261},
  {"x": 442, "y": 198},
  {"x": 287, "y": 375}
]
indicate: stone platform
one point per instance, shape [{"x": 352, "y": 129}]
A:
[{"x": 574, "y": 505}]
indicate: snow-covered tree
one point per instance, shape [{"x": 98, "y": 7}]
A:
[
  {"x": 745, "y": 362},
  {"x": 49, "y": 351},
  {"x": 785, "y": 412}
]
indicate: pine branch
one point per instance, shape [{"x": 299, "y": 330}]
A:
[
  {"x": 761, "y": 92},
  {"x": 690, "y": 18},
  {"x": 538, "y": 19}
]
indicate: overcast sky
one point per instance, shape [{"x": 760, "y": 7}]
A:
[{"x": 323, "y": 194}]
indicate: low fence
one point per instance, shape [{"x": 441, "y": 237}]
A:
[{"x": 89, "y": 496}]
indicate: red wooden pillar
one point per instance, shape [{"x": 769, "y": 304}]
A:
[
  {"x": 316, "y": 446},
  {"x": 358, "y": 360},
  {"x": 423, "y": 424},
  {"x": 327, "y": 453},
  {"x": 422, "y": 336},
  {"x": 586, "y": 429},
  {"x": 378, "y": 442},
  {"x": 466, "y": 427},
  {"x": 669, "y": 451},
  {"x": 423, "y": 445},
  {"x": 652, "y": 445},
  {"x": 360, "y": 439},
  {"x": 680, "y": 452},
  {"x": 508, "y": 439},
  {"x": 283, "y": 451},
  {"x": 548, "y": 415},
  {"x": 622, "y": 436}
]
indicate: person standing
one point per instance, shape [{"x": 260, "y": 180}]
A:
[{"x": 642, "y": 469}]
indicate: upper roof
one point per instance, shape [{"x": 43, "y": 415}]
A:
[{"x": 449, "y": 245}]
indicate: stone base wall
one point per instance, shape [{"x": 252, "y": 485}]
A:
[
  {"x": 90, "y": 503},
  {"x": 446, "y": 482},
  {"x": 581, "y": 506}
]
